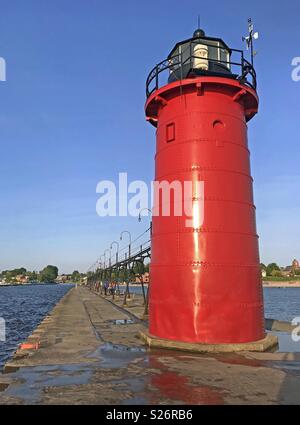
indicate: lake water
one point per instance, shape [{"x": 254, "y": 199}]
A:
[
  {"x": 24, "y": 307},
  {"x": 282, "y": 303}
]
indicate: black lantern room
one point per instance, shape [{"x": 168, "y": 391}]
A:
[{"x": 199, "y": 55}]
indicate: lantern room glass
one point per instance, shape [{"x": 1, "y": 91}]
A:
[{"x": 182, "y": 58}]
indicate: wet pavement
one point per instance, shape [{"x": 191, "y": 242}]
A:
[{"x": 90, "y": 353}]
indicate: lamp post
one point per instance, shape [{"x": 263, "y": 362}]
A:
[
  {"x": 127, "y": 293},
  {"x": 129, "y": 246},
  {"x": 102, "y": 273},
  {"x": 109, "y": 259},
  {"x": 146, "y": 298},
  {"x": 117, "y": 252},
  {"x": 140, "y": 217},
  {"x": 109, "y": 264}
]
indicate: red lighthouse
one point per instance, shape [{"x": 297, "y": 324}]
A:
[{"x": 205, "y": 278}]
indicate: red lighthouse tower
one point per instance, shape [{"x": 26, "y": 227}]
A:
[{"x": 205, "y": 278}]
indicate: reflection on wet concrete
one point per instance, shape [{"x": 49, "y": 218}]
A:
[
  {"x": 286, "y": 343},
  {"x": 235, "y": 359},
  {"x": 138, "y": 387},
  {"x": 178, "y": 388},
  {"x": 288, "y": 366},
  {"x": 137, "y": 375},
  {"x": 164, "y": 384},
  {"x": 117, "y": 355},
  {"x": 31, "y": 381},
  {"x": 152, "y": 383}
]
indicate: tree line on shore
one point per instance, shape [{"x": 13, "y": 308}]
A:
[
  {"x": 47, "y": 274},
  {"x": 50, "y": 274},
  {"x": 273, "y": 270}
]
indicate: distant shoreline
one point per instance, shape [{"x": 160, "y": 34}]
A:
[
  {"x": 282, "y": 284},
  {"x": 266, "y": 284},
  {"x": 28, "y": 284}
]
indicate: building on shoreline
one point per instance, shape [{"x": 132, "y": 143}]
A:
[
  {"x": 291, "y": 270},
  {"x": 22, "y": 278}
]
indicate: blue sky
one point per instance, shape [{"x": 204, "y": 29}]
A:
[{"x": 72, "y": 114}]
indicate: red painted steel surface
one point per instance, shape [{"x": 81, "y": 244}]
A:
[{"x": 206, "y": 281}]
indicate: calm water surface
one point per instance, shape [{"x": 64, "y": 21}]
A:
[
  {"x": 282, "y": 303},
  {"x": 23, "y": 308}
]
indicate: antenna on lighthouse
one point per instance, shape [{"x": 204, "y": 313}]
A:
[{"x": 249, "y": 39}]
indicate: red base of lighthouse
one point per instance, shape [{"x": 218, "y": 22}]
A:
[{"x": 206, "y": 280}]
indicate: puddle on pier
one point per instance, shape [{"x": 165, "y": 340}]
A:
[
  {"x": 136, "y": 370},
  {"x": 147, "y": 376},
  {"x": 236, "y": 359},
  {"x": 117, "y": 355},
  {"x": 122, "y": 322},
  {"x": 292, "y": 366},
  {"x": 31, "y": 381},
  {"x": 159, "y": 383},
  {"x": 286, "y": 343},
  {"x": 177, "y": 387}
]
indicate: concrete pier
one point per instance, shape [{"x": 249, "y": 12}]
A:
[{"x": 88, "y": 351}]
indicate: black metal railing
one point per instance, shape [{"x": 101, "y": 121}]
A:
[{"x": 176, "y": 67}]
